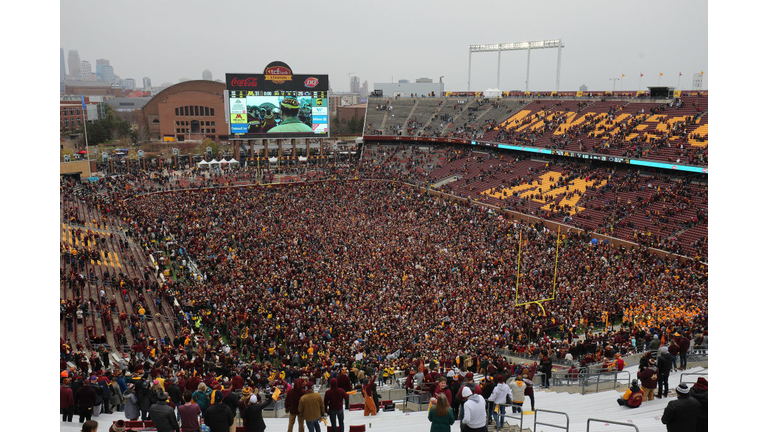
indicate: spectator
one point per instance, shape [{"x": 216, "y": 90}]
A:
[
  {"x": 648, "y": 379},
  {"x": 163, "y": 416},
  {"x": 85, "y": 397},
  {"x": 312, "y": 409},
  {"x": 518, "y": 394},
  {"x": 700, "y": 392},
  {"x": 189, "y": 414},
  {"x": 681, "y": 415},
  {"x": 370, "y": 407},
  {"x": 201, "y": 396},
  {"x": 67, "y": 400},
  {"x": 90, "y": 426},
  {"x": 334, "y": 400},
  {"x": 292, "y": 404},
  {"x": 253, "y": 418},
  {"x": 118, "y": 426},
  {"x": 218, "y": 417},
  {"x": 440, "y": 415},
  {"x": 499, "y": 398},
  {"x": 474, "y": 411},
  {"x": 633, "y": 397},
  {"x": 665, "y": 366},
  {"x": 131, "y": 403}
]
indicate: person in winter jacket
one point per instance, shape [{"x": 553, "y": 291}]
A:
[
  {"x": 442, "y": 387},
  {"x": 67, "y": 404},
  {"x": 131, "y": 403},
  {"x": 85, "y": 397},
  {"x": 700, "y": 391},
  {"x": 682, "y": 414},
  {"x": 546, "y": 368},
  {"x": 664, "y": 363},
  {"x": 115, "y": 396},
  {"x": 253, "y": 417},
  {"x": 499, "y": 397},
  {"x": 292, "y": 404},
  {"x": 334, "y": 400},
  {"x": 529, "y": 389},
  {"x": 202, "y": 396},
  {"x": 654, "y": 346},
  {"x": 633, "y": 397},
  {"x": 163, "y": 416},
  {"x": 146, "y": 399},
  {"x": 518, "y": 394},
  {"x": 648, "y": 378},
  {"x": 474, "y": 411},
  {"x": 218, "y": 417}
]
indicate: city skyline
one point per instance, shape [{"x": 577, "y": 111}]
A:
[{"x": 599, "y": 43}]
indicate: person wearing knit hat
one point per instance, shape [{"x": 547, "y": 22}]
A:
[
  {"x": 118, "y": 426},
  {"x": 700, "y": 391},
  {"x": 682, "y": 414},
  {"x": 633, "y": 397}
]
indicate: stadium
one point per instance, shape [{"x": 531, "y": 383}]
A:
[{"x": 560, "y": 235}]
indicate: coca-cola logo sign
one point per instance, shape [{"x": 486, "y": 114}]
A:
[
  {"x": 311, "y": 82},
  {"x": 244, "y": 82}
]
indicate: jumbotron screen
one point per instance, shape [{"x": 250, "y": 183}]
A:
[{"x": 277, "y": 104}]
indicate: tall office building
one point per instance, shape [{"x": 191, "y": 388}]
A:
[
  {"x": 100, "y": 63},
  {"x": 364, "y": 90},
  {"x": 354, "y": 84},
  {"x": 129, "y": 84},
  {"x": 207, "y": 75},
  {"x": 147, "y": 83},
  {"x": 73, "y": 59},
  {"x": 85, "y": 71},
  {"x": 107, "y": 73},
  {"x": 62, "y": 70}
]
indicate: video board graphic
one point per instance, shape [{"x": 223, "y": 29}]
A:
[{"x": 277, "y": 104}]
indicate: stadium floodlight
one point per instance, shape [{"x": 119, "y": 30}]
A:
[{"x": 516, "y": 46}]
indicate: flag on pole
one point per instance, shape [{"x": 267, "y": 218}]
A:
[
  {"x": 681, "y": 74},
  {"x": 622, "y": 75},
  {"x": 82, "y": 101},
  {"x": 702, "y": 73},
  {"x": 661, "y": 74},
  {"x": 641, "y": 74}
]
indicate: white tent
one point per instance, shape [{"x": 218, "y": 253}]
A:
[
  {"x": 302, "y": 158},
  {"x": 273, "y": 160},
  {"x": 214, "y": 163},
  {"x": 233, "y": 161},
  {"x": 202, "y": 164},
  {"x": 492, "y": 93}
]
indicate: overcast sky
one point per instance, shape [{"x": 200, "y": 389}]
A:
[{"x": 389, "y": 40}]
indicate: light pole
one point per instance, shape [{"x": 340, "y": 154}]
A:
[{"x": 614, "y": 82}]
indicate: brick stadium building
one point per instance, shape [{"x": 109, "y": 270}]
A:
[{"x": 191, "y": 110}]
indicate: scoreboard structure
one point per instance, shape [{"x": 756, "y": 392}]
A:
[{"x": 277, "y": 104}]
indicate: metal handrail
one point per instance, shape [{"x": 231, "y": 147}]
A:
[
  {"x": 611, "y": 422},
  {"x": 508, "y": 416},
  {"x": 692, "y": 373},
  {"x": 536, "y": 422},
  {"x": 584, "y": 378}
]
